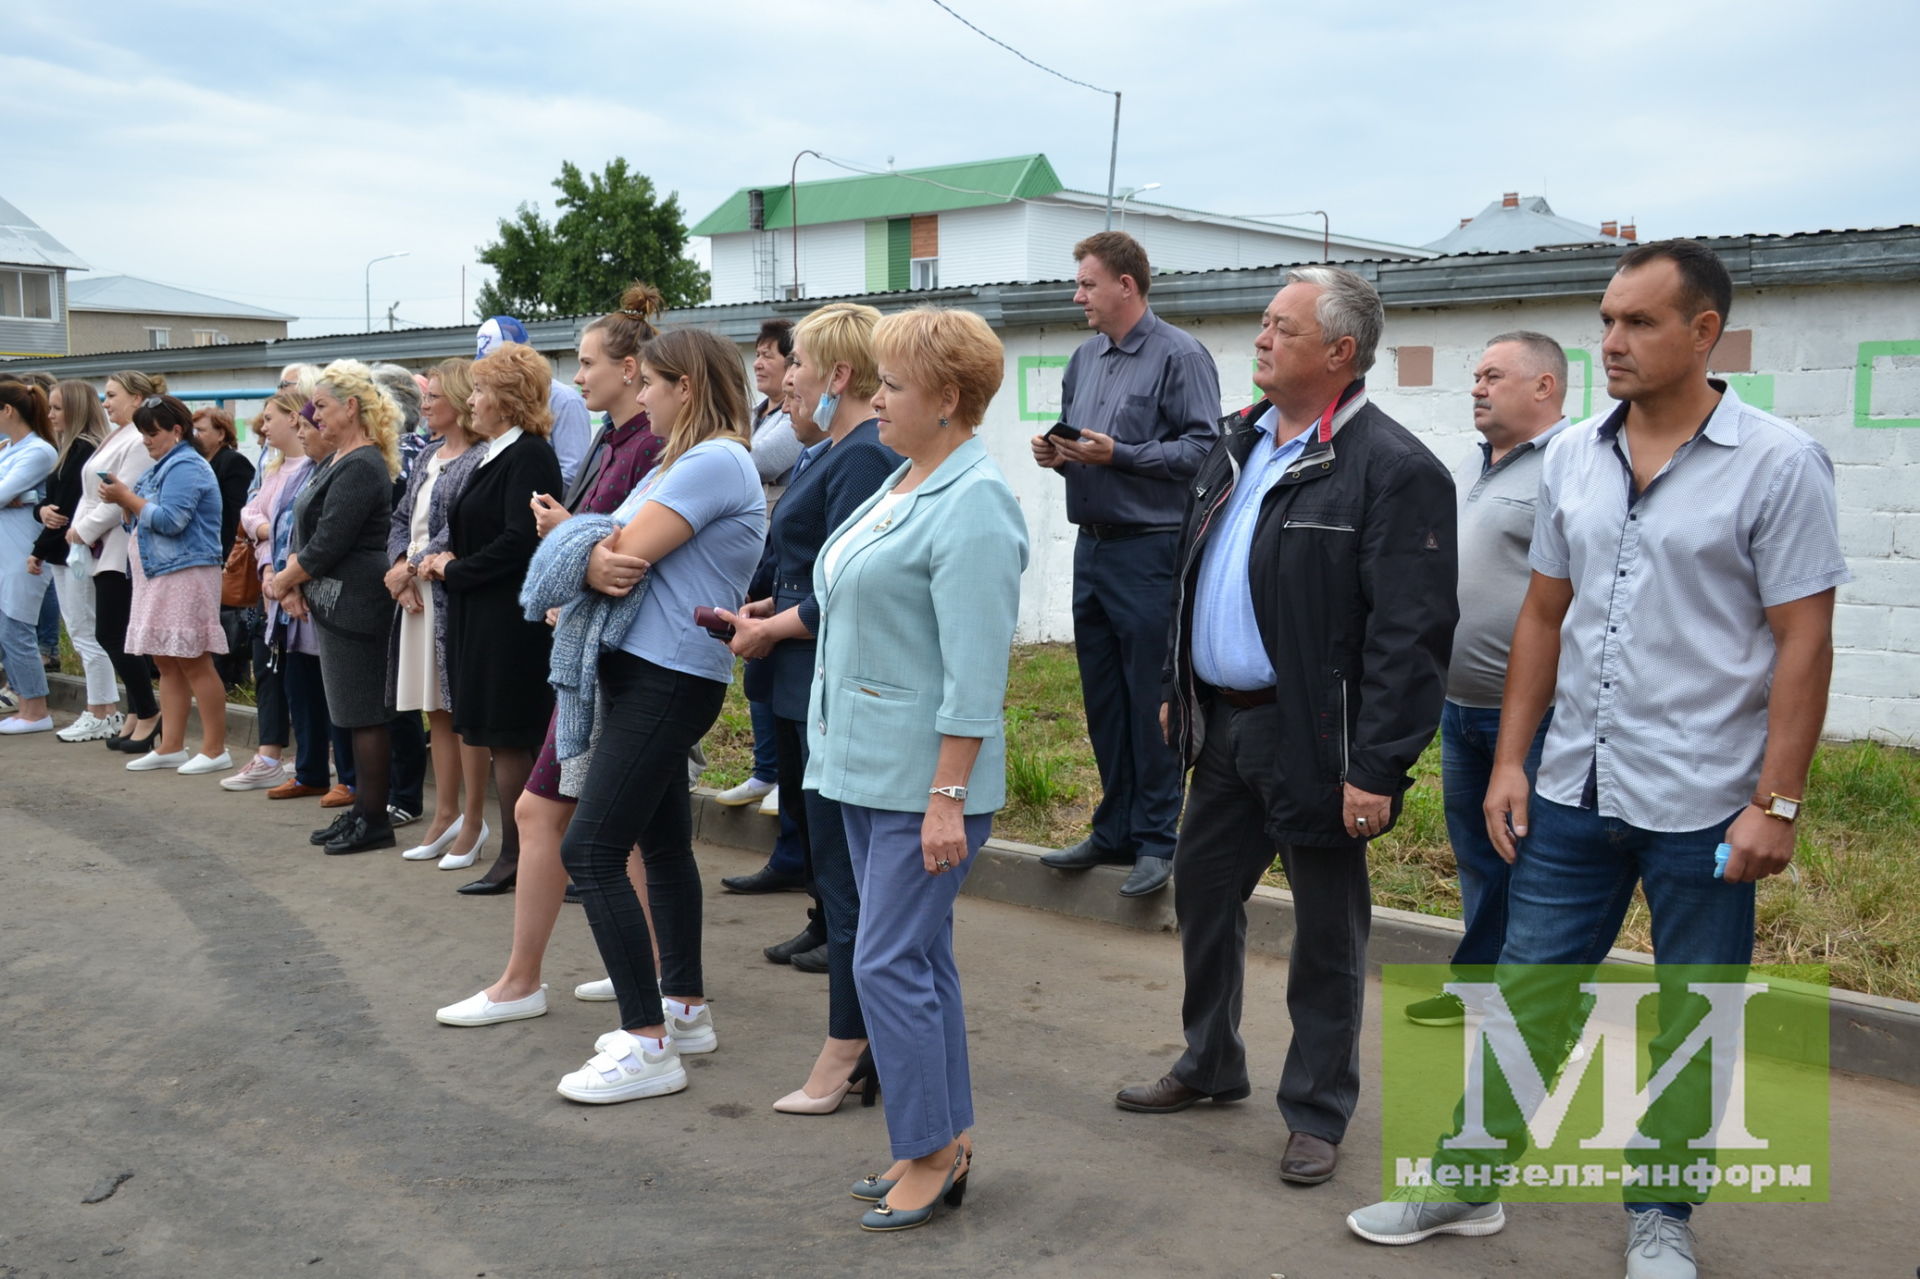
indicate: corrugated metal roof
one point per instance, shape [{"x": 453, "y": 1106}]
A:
[
  {"x": 134, "y": 296},
  {"x": 890, "y": 195},
  {"x": 23, "y": 243},
  {"x": 1516, "y": 228}
]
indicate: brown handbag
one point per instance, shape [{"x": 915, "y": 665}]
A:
[{"x": 240, "y": 579}]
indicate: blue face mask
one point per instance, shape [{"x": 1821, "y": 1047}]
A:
[{"x": 823, "y": 411}]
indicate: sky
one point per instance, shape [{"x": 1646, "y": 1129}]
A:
[{"x": 267, "y": 153}]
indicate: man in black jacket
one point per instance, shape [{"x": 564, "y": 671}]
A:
[{"x": 1314, "y": 614}]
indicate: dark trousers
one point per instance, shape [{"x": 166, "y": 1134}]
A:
[
  {"x": 1467, "y": 737},
  {"x": 1224, "y": 851},
  {"x": 408, "y": 778},
  {"x": 1122, "y": 600},
  {"x": 636, "y": 792},
  {"x": 307, "y": 709},
  {"x": 112, "y": 608},
  {"x": 48, "y": 630},
  {"x": 269, "y": 690},
  {"x": 823, "y": 831}
]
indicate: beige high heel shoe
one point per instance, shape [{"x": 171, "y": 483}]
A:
[{"x": 798, "y": 1102}]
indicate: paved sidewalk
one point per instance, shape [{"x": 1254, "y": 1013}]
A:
[{"x": 190, "y": 993}]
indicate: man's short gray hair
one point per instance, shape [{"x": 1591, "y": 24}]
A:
[
  {"x": 1348, "y": 307},
  {"x": 1544, "y": 355},
  {"x": 397, "y": 381}
]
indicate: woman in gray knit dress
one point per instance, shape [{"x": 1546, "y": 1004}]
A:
[{"x": 339, "y": 561}]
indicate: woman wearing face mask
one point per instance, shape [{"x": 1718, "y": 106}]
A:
[
  {"x": 97, "y": 526},
  {"x": 834, "y": 380},
  {"x": 496, "y": 658},
  {"x": 338, "y": 562},
  {"x": 79, "y": 424},
  {"x": 620, "y": 457},
  {"x": 26, "y": 465},
  {"x": 417, "y": 677},
  {"x": 176, "y": 555}
]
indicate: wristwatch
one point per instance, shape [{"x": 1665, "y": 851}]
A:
[
  {"x": 951, "y": 792},
  {"x": 1779, "y": 807}
]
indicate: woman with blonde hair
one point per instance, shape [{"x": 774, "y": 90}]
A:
[
  {"x": 338, "y": 561},
  {"x": 698, "y": 523},
  {"x": 495, "y": 657},
  {"x": 417, "y": 672},
  {"x": 79, "y": 424},
  {"x": 98, "y": 527}
]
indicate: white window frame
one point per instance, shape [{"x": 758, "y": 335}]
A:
[
  {"x": 158, "y": 338},
  {"x": 209, "y": 337},
  {"x": 929, "y": 267},
  {"x": 20, "y": 275}
]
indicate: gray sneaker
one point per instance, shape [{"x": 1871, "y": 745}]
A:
[
  {"x": 1415, "y": 1213},
  {"x": 1659, "y": 1247}
]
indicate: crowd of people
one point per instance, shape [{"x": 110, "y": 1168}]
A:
[{"x": 1275, "y": 612}]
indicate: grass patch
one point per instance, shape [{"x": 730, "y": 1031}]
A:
[{"x": 1855, "y": 907}]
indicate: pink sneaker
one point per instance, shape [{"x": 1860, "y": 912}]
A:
[{"x": 260, "y": 773}]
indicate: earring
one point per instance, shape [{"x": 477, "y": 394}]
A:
[
  {"x": 943, "y": 424},
  {"x": 626, "y": 381}
]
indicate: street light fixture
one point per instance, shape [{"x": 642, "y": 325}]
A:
[
  {"x": 1151, "y": 186},
  {"x": 369, "y": 283}
]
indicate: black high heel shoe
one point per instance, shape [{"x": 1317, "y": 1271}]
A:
[
  {"x": 131, "y": 745},
  {"x": 865, "y": 1077}
]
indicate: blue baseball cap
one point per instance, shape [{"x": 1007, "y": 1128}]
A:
[{"x": 499, "y": 329}]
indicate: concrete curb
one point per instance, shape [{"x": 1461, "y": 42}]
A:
[{"x": 1867, "y": 1035}]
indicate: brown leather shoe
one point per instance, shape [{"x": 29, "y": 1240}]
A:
[
  {"x": 1309, "y": 1160},
  {"x": 294, "y": 790},
  {"x": 1168, "y": 1095},
  {"x": 341, "y": 796}
]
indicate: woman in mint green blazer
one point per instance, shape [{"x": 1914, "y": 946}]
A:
[{"x": 919, "y": 590}]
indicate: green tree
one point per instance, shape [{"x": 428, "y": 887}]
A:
[{"x": 612, "y": 229}]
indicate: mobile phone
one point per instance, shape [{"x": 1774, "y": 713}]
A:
[
  {"x": 1061, "y": 431},
  {"x": 105, "y": 475},
  {"x": 709, "y": 620}
]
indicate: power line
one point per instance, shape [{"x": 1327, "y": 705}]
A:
[{"x": 1016, "y": 53}]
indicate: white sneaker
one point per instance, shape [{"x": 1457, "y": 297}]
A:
[
  {"x": 747, "y": 792},
  {"x": 625, "y": 1070},
  {"x": 202, "y": 763},
  {"x": 90, "y": 727},
  {"x": 260, "y": 773},
  {"x": 595, "y": 992},
  {"x": 10, "y": 702},
  {"x": 770, "y": 806},
  {"x": 460, "y": 861},
  {"x": 692, "y": 1036},
  {"x": 153, "y": 760},
  {"x": 481, "y": 1011},
  {"x": 15, "y": 725}
]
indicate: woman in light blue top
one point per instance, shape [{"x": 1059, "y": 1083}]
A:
[
  {"x": 26, "y": 464},
  {"x": 919, "y": 591},
  {"x": 695, "y": 527}
]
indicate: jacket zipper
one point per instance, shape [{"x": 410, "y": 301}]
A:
[{"x": 1343, "y": 725}]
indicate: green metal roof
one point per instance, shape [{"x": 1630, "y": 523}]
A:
[{"x": 891, "y": 195}]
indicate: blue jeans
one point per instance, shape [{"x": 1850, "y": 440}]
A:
[
  {"x": 766, "y": 756},
  {"x": 1574, "y": 881},
  {"x": 1467, "y": 737},
  {"x": 48, "y": 631},
  {"x": 24, "y": 672}
]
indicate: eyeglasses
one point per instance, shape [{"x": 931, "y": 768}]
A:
[
  {"x": 151, "y": 402},
  {"x": 283, "y": 384}
]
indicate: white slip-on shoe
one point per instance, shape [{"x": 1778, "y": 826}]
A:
[
  {"x": 460, "y": 861},
  {"x": 153, "y": 760},
  {"x": 15, "y": 726},
  {"x": 595, "y": 992},
  {"x": 201, "y": 764},
  {"x": 260, "y": 773},
  {"x": 770, "y": 804},
  {"x": 626, "y": 1070},
  {"x": 433, "y": 848},
  {"x": 481, "y": 1011},
  {"x": 691, "y": 1036},
  {"x": 751, "y": 791}
]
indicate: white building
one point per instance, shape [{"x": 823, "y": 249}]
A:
[{"x": 957, "y": 225}]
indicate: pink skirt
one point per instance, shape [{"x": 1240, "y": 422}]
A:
[{"x": 177, "y": 615}]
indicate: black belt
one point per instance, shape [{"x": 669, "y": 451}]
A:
[
  {"x": 1247, "y": 701},
  {"x": 792, "y": 586},
  {"x": 1109, "y": 532}
]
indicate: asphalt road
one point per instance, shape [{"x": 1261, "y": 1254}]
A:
[{"x": 191, "y": 994}]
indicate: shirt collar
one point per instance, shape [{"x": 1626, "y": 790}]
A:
[
  {"x": 1539, "y": 441},
  {"x": 500, "y": 443},
  {"x": 1136, "y": 336},
  {"x": 1722, "y": 425}
]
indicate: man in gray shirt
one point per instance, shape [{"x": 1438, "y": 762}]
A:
[
  {"x": 1518, "y": 388},
  {"x": 1138, "y": 407}
]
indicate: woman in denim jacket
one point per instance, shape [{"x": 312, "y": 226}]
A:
[{"x": 173, "y": 511}]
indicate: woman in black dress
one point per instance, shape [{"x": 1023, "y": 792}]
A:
[
  {"x": 214, "y": 437},
  {"x": 497, "y": 660}
]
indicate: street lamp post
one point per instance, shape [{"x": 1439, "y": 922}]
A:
[
  {"x": 368, "y": 273},
  {"x": 1151, "y": 186}
]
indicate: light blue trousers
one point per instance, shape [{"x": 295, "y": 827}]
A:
[{"x": 909, "y": 986}]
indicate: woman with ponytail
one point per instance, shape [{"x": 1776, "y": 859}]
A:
[{"x": 79, "y": 424}]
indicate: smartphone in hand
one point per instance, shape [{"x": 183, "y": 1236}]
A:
[
  {"x": 106, "y": 476},
  {"x": 1061, "y": 431},
  {"x": 709, "y": 620}
]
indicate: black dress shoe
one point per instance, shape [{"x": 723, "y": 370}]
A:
[
  {"x": 765, "y": 880},
  {"x": 1083, "y": 856},
  {"x": 360, "y": 834},
  {"x": 130, "y": 745},
  {"x": 1309, "y": 1160},
  {"x": 487, "y": 887},
  {"x": 332, "y": 831},
  {"x": 1167, "y": 1095},
  {"x": 813, "y": 935},
  {"x": 1150, "y": 875},
  {"x": 812, "y": 961}
]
